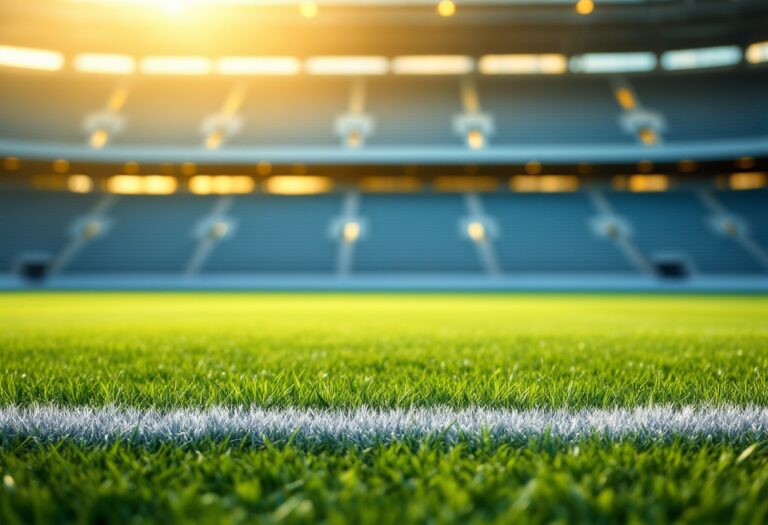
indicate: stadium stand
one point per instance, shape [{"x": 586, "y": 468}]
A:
[
  {"x": 279, "y": 234},
  {"x": 283, "y": 111},
  {"x": 406, "y": 111},
  {"x": 752, "y": 207},
  {"x": 36, "y": 225},
  {"x": 552, "y": 111},
  {"x": 705, "y": 106},
  {"x": 31, "y": 110},
  {"x": 144, "y": 234},
  {"x": 416, "y": 111},
  {"x": 551, "y": 233},
  {"x": 423, "y": 233},
  {"x": 414, "y": 233},
  {"x": 182, "y": 111},
  {"x": 675, "y": 226},
  {"x": 535, "y": 117}
]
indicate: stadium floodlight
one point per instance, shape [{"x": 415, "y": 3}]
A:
[
  {"x": 558, "y": 183},
  {"x": 350, "y": 233},
  {"x": 648, "y": 136},
  {"x": 635, "y": 62},
  {"x": 475, "y": 139},
  {"x": 105, "y": 64},
  {"x": 446, "y": 8},
  {"x": 548, "y": 64},
  {"x": 347, "y": 65},
  {"x": 79, "y": 183},
  {"x": 308, "y": 8},
  {"x": 118, "y": 99},
  {"x": 298, "y": 185},
  {"x": 99, "y": 138},
  {"x": 476, "y": 231},
  {"x": 748, "y": 180},
  {"x": 28, "y": 58},
  {"x": 221, "y": 184},
  {"x": 214, "y": 139},
  {"x": 702, "y": 58},
  {"x": 257, "y": 66},
  {"x": 175, "y": 65},
  {"x": 626, "y": 98},
  {"x": 757, "y": 53},
  {"x": 159, "y": 184},
  {"x": 139, "y": 184},
  {"x": 585, "y": 7},
  {"x": 544, "y": 183},
  {"x": 648, "y": 183},
  {"x": 433, "y": 65}
]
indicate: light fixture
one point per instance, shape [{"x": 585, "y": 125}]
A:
[
  {"x": 476, "y": 231},
  {"x": 626, "y": 98},
  {"x": 757, "y": 53},
  {"x": 633, "y": 62},
  {"x": 221, "y": 184},
  {"x": 139, "y": 184},
  {"x": 79, "y": 183},
  {"x": 475, "y": 139},
  {"x": 298, "y": 185},
  {"x": 432, "y": 65},
  {"x": 346, "y": 65},
  {"x": 702, "y": 58},
  {"x": 99, "y": 139},
  {"x": 308, "y": 9},
  {"x": 175, "y": 65},
  {"x": 351, "y": 232},
  {"x": 585, "y": 7},
  {"x": 533, "y": 167},
  {"x": 118, "y": 99},
  {"x": 257, "y": 66},
  {"x": 748, "y": 181},
  {"x": 28, "y": 58},
  {"x": 648, "y": 183},
  {"x": 548, "y": 64},
  {"x": 648, "y": 136},
  {"x": 105, "y": 64},
  {"x": 214, "y": 140},
  {"x": 61, "y": 165},
  {"x": 446, "y": 8}
]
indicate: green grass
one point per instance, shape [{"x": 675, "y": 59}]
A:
[
  {"x": 575, "y": 351},
  {"x": 544, "y": 482},
  {"x": 383, "y": 351}
]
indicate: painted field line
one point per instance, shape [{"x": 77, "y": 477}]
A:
[{"x": 365, "y": 426}]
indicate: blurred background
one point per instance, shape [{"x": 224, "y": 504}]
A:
[{"x": 378, "y": 144}]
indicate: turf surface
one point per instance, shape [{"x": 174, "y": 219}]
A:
[
  {"x": 382, "y": 351},
  {"x": 343, "y": 351}
]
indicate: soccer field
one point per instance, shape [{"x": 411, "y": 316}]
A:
[{"x": 365, "y": 408}]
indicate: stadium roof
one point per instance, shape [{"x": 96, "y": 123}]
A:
[{"x": 389, "y": 27}]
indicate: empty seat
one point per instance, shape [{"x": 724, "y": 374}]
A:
[
  {"x": 145, "y": 234},
  {"x": 676, "y": 223},
  {"x": 37, "y": 223},
  {"x": 279, "y": 234},
  {"x": 551, "y": 234},
  {"x": 414, "y": 233}
]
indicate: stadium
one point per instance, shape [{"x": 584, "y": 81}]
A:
[{"x": 378, "y": 261}]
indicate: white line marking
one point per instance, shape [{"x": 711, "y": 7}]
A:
[{"x": 366, "y": 426}]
